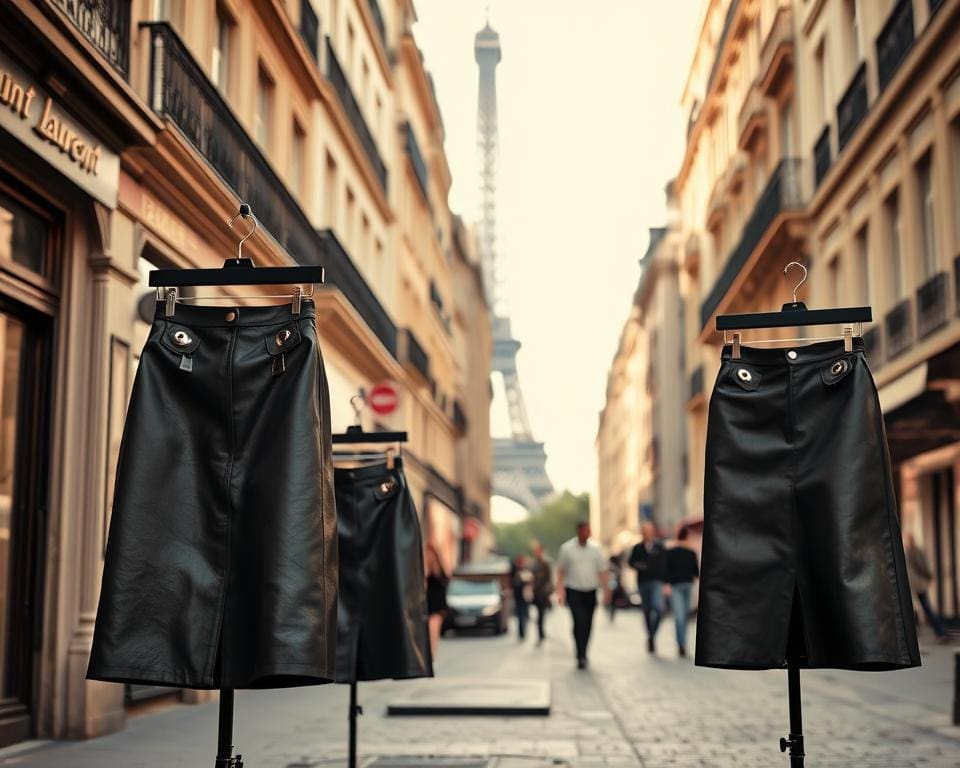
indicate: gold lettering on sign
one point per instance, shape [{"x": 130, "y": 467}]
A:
[
  {"x": 12, "y": 95},
  {"x": 167, "y": 225},
  {"x": 55, "y": 130}
]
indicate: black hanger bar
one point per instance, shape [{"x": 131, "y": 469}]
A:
[
  {"x": 356, "y": 435},
  {"x": 234, "y": 273},
  {"x": 794, "y": 314}
]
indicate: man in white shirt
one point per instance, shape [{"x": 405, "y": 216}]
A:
[{"x": 581, "y": 570}]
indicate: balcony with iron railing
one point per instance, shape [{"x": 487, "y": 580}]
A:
[
  {"x": 852, "y": 108},
  {"x": 782, "y": 194},
  {"x": 898, "y": 329},
  {"x": 821, "y": 156},
  {"x": 415, "y": 357},
  {"x": 776, "y": 55},
  {"x": 894, "y": 41},
  {"x": 341, "y": 86},
  {"x": 105, "y": 24},
  {"x": 181, "y": 92},
  {"x": 342, "y": 273},
  {"x": 932, "y": 305},
  {"x": 310, "y": 28}
]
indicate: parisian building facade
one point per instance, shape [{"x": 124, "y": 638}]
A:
[
  {"x": 129, "y": 133},
  {"x": 828, "y": 132}
]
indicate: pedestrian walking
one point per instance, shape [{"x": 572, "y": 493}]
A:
[
  {"x": 647, "y": 560},
  {"x": 542, "y": 588},
  {"x": 581, "y": 571},
  {"x": 521, "y": 580},
  {"x": 680, "y": 571},
  {"x": 437, "y": 581},
  {"x": 921, "y": 576}
]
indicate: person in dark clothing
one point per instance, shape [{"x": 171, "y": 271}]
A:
[
  {"x": 681, "y": 569},
  {"x": 520, "y": 581},
  {"x": 647, "y": 559},
  {"x": 542, "y": 587},
  {"x": 921, "y": 577},
  {"x": 437, "y": 580},
  {"x": 618, "y": 595}
]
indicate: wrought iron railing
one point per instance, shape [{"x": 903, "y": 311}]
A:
[
  {"x": 852, "y": 107},
  {"x": 696, "y": 382},
  {"x": 181, "y": 92},
  {"x": 894, "y": 41},
  {"x": 821, "y": 156},
  {"x": 931, "y": 304},
  {"x": 416, "y": 161},
  {"x": 310, "y": 28},
  {"x": 378, "y": 20},
  {"x": 873, "y": 346},
  {"x": 343, "y": 274},
  {"x": 106, "y": 24},
  {"x": 338, "y": 80},
  {"x": 782, "y": 193},
  {"x": 898, "y": 329},
  {"x": 415, "y": 355}
]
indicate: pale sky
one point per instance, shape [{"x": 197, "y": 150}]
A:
[{"x": 590, "y": 132}]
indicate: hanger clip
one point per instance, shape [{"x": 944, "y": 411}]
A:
[
  {"x": 297, "y": 299},
  {"x": 848, "y": 339},
  {"x": 171, "y": 302}
]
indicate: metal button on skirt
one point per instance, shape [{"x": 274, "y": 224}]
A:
[
  {"x": 221, "y": 563},
  {"x": 802, "y": 554},
  {"x": 382, "y": 609}
]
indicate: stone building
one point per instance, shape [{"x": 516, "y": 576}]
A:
[{"x": 129, "y": 133}]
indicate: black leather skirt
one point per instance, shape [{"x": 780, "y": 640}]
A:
[
  {"x": 802, "y": 555},
  {"x": 382, "y": 611},
  {"x": 221, "y": 563}
]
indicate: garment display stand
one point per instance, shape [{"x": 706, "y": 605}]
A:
[
  {"x": 794, "y": 314},
  {"x": 356, "y": 436},
  {"x": 235, "y": 271}
]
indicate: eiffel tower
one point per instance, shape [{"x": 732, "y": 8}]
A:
[{"x": 519, "y": 462}]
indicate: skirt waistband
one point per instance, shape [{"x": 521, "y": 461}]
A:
[
  {"x": 226, "y": 315},
  {"x": 809, "y": 353}
]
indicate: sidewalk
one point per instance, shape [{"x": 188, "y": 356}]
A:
[{"x": 629, "y": 710}]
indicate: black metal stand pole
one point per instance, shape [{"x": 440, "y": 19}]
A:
[
  {"x": 225, "y": 757},
  {"x": 956, "y": 688},
  {"x": 355, "y": 710},
  {"x": 794, "y": 741}
]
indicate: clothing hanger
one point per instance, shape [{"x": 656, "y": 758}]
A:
[
  {"x": 356, "y": 436},
  {"x": 795, "y": 313},
  {"x": 238, "y": 271}
]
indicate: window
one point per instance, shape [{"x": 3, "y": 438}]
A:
[
  {"x": 348, "y": 224},
  {"x": 862, "y": 265},
  {"x": 220, "y": 64},
  {"x": 298, "y": 158},
  {"x": 23, "y": 235},
  {"x": 351, "y": 47},
  {"x": 928, "y": 233},
  {"x": 364, "y": 83},
  {"x": 364, "y": 236},
  {"x": 895, "y": 287},
  {"x": 330, "y": 192},
  {"x": 264, "y": 108}
]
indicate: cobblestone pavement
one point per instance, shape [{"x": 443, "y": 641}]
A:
[{"x": 630, "y": 709}]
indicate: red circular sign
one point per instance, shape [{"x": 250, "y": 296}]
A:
[{"x": 383, "y": 398}]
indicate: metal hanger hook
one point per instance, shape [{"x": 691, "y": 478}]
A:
[
  {"x": 244, "y": 214},
  {"x": 802, "y": 280},
  {"x": 358, "y": 402}
]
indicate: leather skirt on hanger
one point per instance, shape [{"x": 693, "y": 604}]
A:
[
  {"x": 221, "y": 563},
  {"x": 382, "y": 610},
  {"x": 802, "y": 552}
]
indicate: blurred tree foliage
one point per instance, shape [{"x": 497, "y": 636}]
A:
[{"x": 554, "y": 523}]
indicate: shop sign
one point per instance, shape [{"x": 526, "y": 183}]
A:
[{"x": 39, "y": 122}]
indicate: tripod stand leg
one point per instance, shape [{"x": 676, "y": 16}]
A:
[
  {"x": 225, "y": 758},
  {"x": 794, "y": 742}
]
